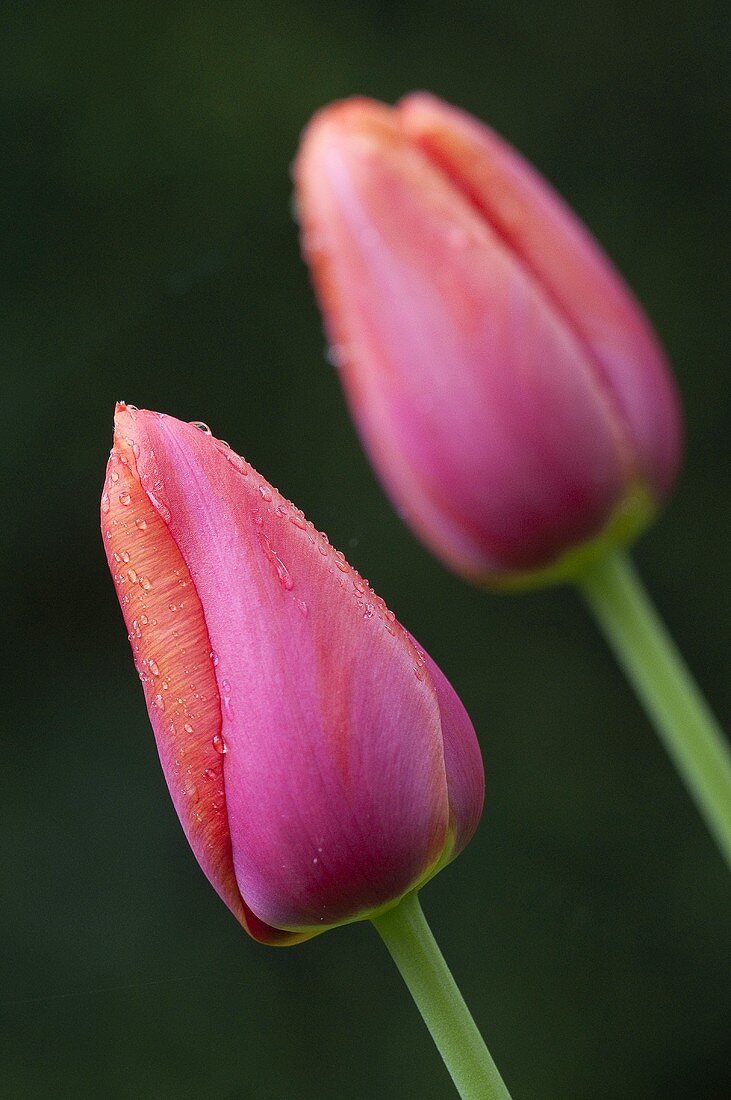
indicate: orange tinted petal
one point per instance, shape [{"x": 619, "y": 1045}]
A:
[{"x": 172, "y": 653}]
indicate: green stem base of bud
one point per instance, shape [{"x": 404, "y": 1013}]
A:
[
  {"x": 408, "y": 937},
  {"x": 643, "y": 647}
]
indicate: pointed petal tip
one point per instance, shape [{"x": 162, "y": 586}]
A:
[{"x": 357, "y": 119}]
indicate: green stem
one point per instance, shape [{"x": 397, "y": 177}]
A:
[
  {"x": 663, "y": 682},
  {"x": 416, "y": 953}
]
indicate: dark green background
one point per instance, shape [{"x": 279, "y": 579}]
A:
[{"x": 150, "y": 255}]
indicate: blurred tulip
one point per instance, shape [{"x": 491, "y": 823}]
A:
[
  {"x": 320, "y": 763},
  {"x": 507, "y": 385}
]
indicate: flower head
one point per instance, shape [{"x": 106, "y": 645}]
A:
[
  {"x": 508, "y": 387},
  {"x": 320, "y": 764}
]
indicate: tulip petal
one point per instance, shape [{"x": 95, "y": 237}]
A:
[
  {"x": 333, "y": 764},
  {"x": 172, "y": 653},
  {"x": 564, "y": 259},
  {"x": 462, "y": 758}
]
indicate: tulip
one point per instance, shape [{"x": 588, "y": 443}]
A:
[
  {"x": 322, "y": 767},
  {"x": 320, "y": 763},
  {"x": 508, "y": 388}
]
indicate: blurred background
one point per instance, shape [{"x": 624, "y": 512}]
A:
[{"x": 150, "y": 255}]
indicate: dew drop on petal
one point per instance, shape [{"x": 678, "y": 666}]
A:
[
  {"x": 340, "y": 561},
  {"x": 219, "y": 744}
]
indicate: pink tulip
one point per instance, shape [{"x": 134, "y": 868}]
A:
[
  {"x": 507, "y": 385},
  {"x": 320, "y": 764}
]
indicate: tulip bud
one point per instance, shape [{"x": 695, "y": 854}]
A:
[
  {"x": 508, "y": 388},
  {"x": 320, "y": 764}
]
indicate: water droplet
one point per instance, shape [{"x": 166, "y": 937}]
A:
[
  {"x": 153, "y": 667},
  {"x": 132, "y": 576},
  {"x": 145, "y": 583},
  {"x": 200, "y": 426},
  {"x": 105, "y": 503},
  {"x": 164, "y": 685},
  {"x": 159, "y": 507},
  {"x": 315, "y": 859},
  {"x": 239, "y": 464},
  {"x": 114, "y": 476},
  {"x": 214, "y": 658},
  {"x": 173, "y": 606},
  {"x": 283, "y": 574},
  {"x": 219, "y": 744},
  {"x": 141, "y": 523},
  {"x": 124, "y": 498},
  {"x": 298, "y": 519},
  {"x": 303, "y": 608},
  {"x": 209, "y": 774},
  {"x": 340, "y": 561},
  {"x": 265, "y": 493},
  {"x": 188, "y": 728},
  {"x": 144, "y": 620}
]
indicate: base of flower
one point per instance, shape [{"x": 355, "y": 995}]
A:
[{"x": 628, "y": 520}]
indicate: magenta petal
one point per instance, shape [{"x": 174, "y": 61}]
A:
[
  {"x": 561, "y": 255},
  {"x": 462, "y": 760},
  {"x": 333, "y": 764}
]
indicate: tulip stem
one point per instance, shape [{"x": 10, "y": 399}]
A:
[
  {"x": 665, "y": 686},
  {"x": 416, "y": 953}
]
